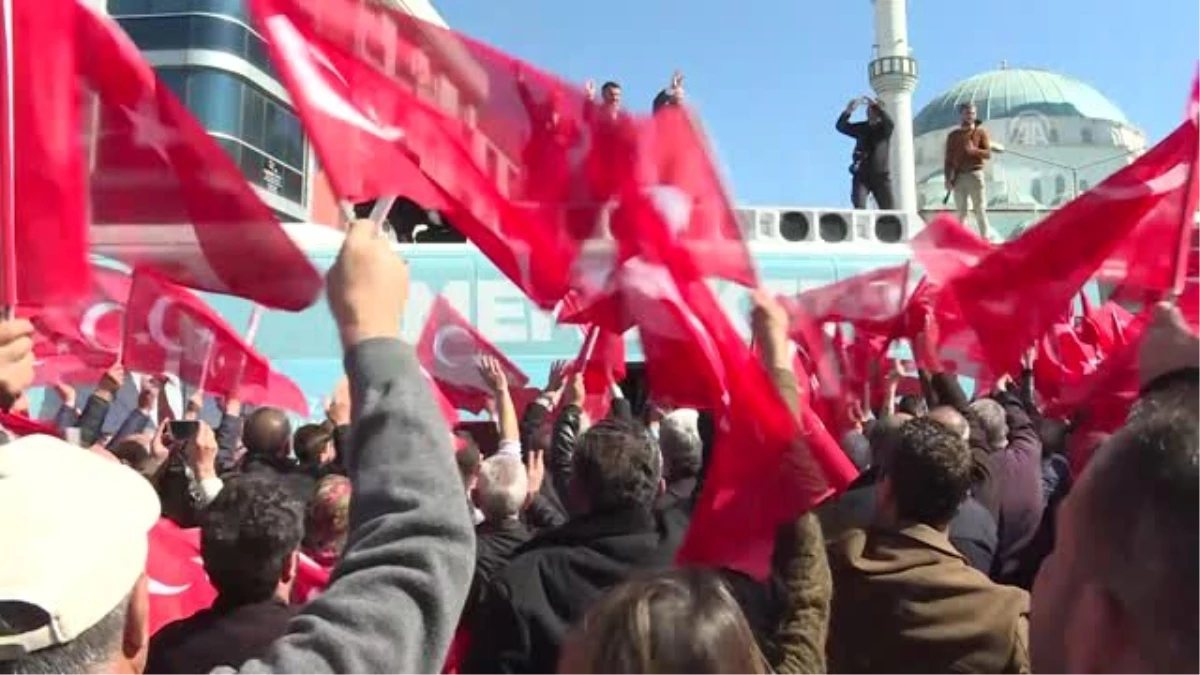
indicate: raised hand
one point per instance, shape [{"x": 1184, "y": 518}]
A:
[
  {"x": 367, "y": 286},
  {"x": 493, "y": 374}
]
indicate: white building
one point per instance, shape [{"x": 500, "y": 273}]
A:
[{"x": 1060, "y": 137}]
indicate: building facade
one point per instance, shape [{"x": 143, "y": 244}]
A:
[{"x": 1060, "y": 136}]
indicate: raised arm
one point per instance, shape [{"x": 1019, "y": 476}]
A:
[{"x": 395, "y": 597}]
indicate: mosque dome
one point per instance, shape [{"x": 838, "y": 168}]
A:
[{"x": 1008, "y": 93}]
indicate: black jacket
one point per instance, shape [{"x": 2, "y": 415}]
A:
[
  {"x": 871, "y": 141},
  {"x": 495, "y": 544},
  {"x": 529, "y": 607},
  {"x": 225, "y": 634},
  {"x": 298, "y": 483}
]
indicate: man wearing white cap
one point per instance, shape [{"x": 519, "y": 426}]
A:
[{"x": 72, "y": 586}]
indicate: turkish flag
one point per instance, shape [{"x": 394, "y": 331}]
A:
[
  {"x": 280, "y": 391},
  {"x": 165, "y": 196},
  {"x": 363, "y": 96},
  {"x": 42, "y": 171},
  {"x": 876, "y": 297},
  {"x": 450, "y": 349},
  {"x": 175, "y": 573},
  {"x": 312, "y": 578},
  {"x": 93, "y": 320},
  {"x": 1062, "y": 358},
  {"x": 449, "y": 412},
  {"x": 168, "y": 329},
  {"x": 1030, "y": 278}
]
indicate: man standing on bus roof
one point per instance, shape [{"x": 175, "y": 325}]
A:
[
  {"x": 869, "y": 164},
  {"x": 967, "y": 150}
]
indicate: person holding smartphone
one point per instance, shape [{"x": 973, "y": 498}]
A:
[{"x": 869, "y": 165}]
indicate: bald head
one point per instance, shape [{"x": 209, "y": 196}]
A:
[
  {"x": 952, "y": 420},
  {"x": 267, "y": 433}
]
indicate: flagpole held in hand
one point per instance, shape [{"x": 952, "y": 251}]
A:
[{"x": 8, "y": 191}]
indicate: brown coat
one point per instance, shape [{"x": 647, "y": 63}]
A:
[
  {"x": 966, "y": 150},
  {"x": 906, "y": 601}
]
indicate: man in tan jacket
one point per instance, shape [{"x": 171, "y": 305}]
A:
[
  {"x": 967, "y": 150},
  {"x": 904, "y": 599}
]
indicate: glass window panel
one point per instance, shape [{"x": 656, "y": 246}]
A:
[
  {"x": 285, "y": 139},
  {"x": 234, "y": 8},
  {"x": 210, "y": 32},
  {"x": 254, "y": 111},
  {"x": 216, "y": 100},
  {"x": 119, "y": 7},
  {"x": 174, "y": 79},
  {"x": 154, "y": 33}
]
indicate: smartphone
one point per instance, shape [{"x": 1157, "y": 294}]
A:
[{"x": 183, "y": 430}]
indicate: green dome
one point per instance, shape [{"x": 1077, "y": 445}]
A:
[{"x": 1008, "y": 92}]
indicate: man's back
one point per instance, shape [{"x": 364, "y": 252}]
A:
[
  {"x": 906, "y": 601},
  {"x": 553, "y": 579},
  {"x": 218, "y": 636}
]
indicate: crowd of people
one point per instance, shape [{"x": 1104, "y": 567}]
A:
[{"x": 965, "y": 545}]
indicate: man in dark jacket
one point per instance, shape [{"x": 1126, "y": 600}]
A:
[
  {"x": 552, "y": 581},
  {"x": 249, "y": 539},
  {"x": 500, "y": 493},
  {"x": 268, "y": 440},
  {"x": 869, "y": 166}
]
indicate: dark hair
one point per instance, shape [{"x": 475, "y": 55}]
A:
[
  {"x": 674, "y": 621},
  {"x": 1139, "y": 509},
  {"x": 309, "y": 442},
  {"x": 616, "y": 465},
  {"x": 610, "y": 85},
  {"x": 967, "y": 105},
  {"x": 913, "y": 405},
  {"x": 267, "y": 433},
  {"x": 246, "y": 536},
  {"x": 91, "y": 650},
  {"x": 929, "y": 471},
  {"x": 951, "y": 418},
  {"x": 885, "y": 435}
]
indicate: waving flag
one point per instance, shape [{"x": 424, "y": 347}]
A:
[
  {"x": 450, "y": 349},
  {"x": 166, "y": 197},
  {"x": 43, "y": 216},
  {"x": 170, "y": 330}
]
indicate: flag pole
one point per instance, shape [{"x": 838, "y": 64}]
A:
[{"x": 8, "y": 192}]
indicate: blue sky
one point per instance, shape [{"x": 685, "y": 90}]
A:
[{"x": 769, "y": 77}]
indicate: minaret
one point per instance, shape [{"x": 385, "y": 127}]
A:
[{"x": 893, "y": 73}]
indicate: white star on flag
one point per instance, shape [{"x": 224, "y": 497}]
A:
[{"x": 148, "y": 128}]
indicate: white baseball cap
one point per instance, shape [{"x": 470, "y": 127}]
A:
[{"x": 73, "y": 538}]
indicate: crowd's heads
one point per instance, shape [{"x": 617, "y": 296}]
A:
[
  {"x": 679, "y": 441},
  {"x": 468, "y": 457},
  {"x": 73, "y": 595},
  {"x": 952, "y": 419},
  {"x": 912, "y": 405},
  {"x": 1118, "y": 592},
  {"x": 327, "y": 519},
  {"x": 502, "y": 488},
  {"x": 637, "y": 628},
  {"x": 249, "y": 538},
  {"x": 857, "y": 449},
  {"x": 313, "y": 444},
  {"x": 268, "y": 433},
  {"x": 616, "y": 465},
  {"x": 134, "y": 452},
  {"x": 884, "y": 435},
  {"x": 994, "y": 422},
  {"x": 927, "y": 475}
]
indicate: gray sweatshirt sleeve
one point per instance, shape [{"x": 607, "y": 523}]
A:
[{"x": 395, "y": 597}]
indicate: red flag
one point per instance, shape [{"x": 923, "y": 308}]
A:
[
  {"x": 945, "y": 248},
  {"x": 93, "y": 320},
  {"x": 1062, "y": 358},
  {"x": 312, "y": 578},
  {"x": 42, "y": 173},
  {"x": 166, "y": 197},
  {"x": 20, "y": 425},
  {"x": 1029, "y": 276},
  {"x": 875, "y": 297},
  {"x": 278, "y": 392},
  {"x": 449, "y": 412},
  {"x": 379, "y": 134},
  {"x": 450, "y": 349},
  {"x": 175, "y": 573},
  {"x": 170, "y": 330}
]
